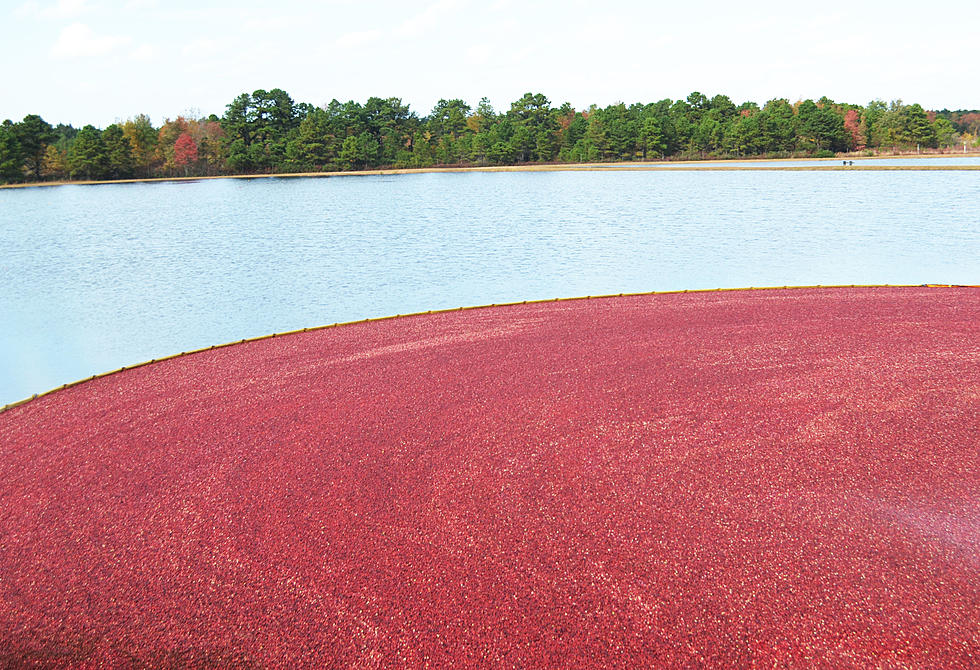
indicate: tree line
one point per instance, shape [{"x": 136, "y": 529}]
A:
[{"x": 267, "y": 132}]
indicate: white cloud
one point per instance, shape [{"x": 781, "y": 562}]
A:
[
  {"x": 143, "y": 52},
  {"x": 200, "y": 48},
  {"x": 269, "y": 23},
  {"x": 30, "y": 8},
  {"x": 357, "y": 39},
  {"x": 412, "y": 27},
  {"x": 478, "y": 55},
  {"x": 78, "y": 41},
  {"x": 135, "y": 5},
  {"x": 426, "y": 20},
  {"x": 64, "y": 9}
]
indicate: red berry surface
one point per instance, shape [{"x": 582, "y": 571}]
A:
[{"x": 736, "y": 479}]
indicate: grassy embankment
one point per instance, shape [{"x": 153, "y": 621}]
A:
[{"x": 705, "y": 165}]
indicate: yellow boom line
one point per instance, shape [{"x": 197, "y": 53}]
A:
[{"x": 458, "y": 309}]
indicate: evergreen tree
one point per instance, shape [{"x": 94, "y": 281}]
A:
[
  {"x": 918, "y": 129},
  {"x": 87, "y": 157},
  {"x": 11, "y": 156},
  {"x": 119, "y": 153},
  {"x": 34, "y": 134},
  {"x": 653, "y": 143}
]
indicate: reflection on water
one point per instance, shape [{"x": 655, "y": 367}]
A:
[{"x": 99, "y": 277}]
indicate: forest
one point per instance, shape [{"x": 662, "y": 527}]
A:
[{"x": 268, "y": 132}]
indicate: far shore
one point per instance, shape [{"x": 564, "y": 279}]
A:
[{"x": 834, "y": 163}]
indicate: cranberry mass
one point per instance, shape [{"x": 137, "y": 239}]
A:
[{"x": 722, "y": 478}]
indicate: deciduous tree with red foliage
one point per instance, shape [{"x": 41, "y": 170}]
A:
[
  {"x": 852, "y": 124},
  {"x": 185, "y": 151}
]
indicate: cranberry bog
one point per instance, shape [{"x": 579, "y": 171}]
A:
[{"x": 747, "y": 478}]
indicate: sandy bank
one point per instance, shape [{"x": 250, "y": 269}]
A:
[{"x": 823, "y": 164}]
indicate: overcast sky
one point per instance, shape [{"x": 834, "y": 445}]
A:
[{"x": 97, "y": 61}]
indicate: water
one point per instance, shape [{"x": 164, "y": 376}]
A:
[
  {"x": 97, "y": 277},
  {"x": 948, "y": 160}
]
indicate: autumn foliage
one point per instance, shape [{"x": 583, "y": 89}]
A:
[
  {"x": 185, "y": 150},
  {"x": 852, "y": 124}
]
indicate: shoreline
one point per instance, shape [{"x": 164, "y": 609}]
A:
[
  {"x": 716, "y": 165},
  {"x": 390, "y": 317}
]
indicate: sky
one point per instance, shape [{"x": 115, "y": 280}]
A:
[{"x": 101, "y": 61}]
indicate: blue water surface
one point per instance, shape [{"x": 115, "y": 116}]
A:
[{"x": 97, "y": 277}]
